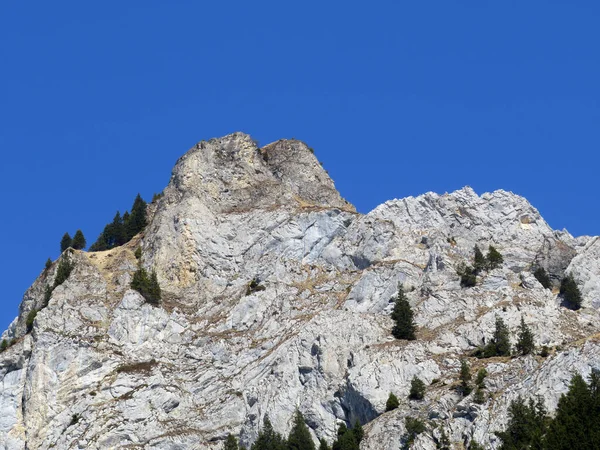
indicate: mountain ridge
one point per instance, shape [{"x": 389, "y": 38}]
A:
[{"x": 217, "y": 356}]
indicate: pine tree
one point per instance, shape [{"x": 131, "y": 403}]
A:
[
  {"x": 268, "y": 439},
  {"x": 525, "y": 344},
  {"x": 48, "y": 264},
  {"x": 403, "y": 316},
  {"x": 468, "y": 275},
  {"x": 136, "y": 221},
  {"x": 63, "y": 271},
  {"x": 346, "y": 440},
  {"x": 323, "y": 444},
  {"x": 570, "y": 292},
  {"x": 417, "y": 389},
  {"x": 299, "y": 437},
  {"x": 78, "y": 241},
  {"x": 541, "y": 275},
  {"x": 493, "y": 258},
  {"x": 230, "y": 443},
  {"x": 526, "y": 426},
  {"x": 501, "y": 339},
  {"x": 465, "y": 378},
  {"x": 392, "y": 402},
  {"x": 358, "y": 431},
  {"x": 479, "y": 262},
  {"x": 414, "y": 427},
  {"x": 65, "y": 242}
]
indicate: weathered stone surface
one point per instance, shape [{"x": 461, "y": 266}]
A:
[{"x": 103, "y": 369}]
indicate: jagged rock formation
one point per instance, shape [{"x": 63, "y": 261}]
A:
[{"x": 103, "y": 369}]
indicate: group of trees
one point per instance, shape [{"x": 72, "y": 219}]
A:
[
  {"x": 568, "y": 288},
  {"x": 500, "y": 343},
  {"x": 299, "y": 438},
  {"x": 77, "y": 242},
  {"x": 123, "y": 228},
  {"x": 575, "y": 425},
  {"x": 468, "y": 274},
  {"x": 147, "y": 285}
]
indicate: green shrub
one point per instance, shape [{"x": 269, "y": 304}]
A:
[
  {"x": 417, "y": 389},
  {"x": 479, "y": 261},
  {"x": 545, "y": 351},
  {"x": 479, "y": 396},
  {"x": 3, "y": 345},
  {"x": 481, "y": 375},
  {"x": 465, "y": 378},
  {"x": 414, "y": 427},
  {"x": 65, "y": 267},
  {"x": 392, "y": 402},
  {"x": 541, "y": 275},
  {"x": 493, "y": 258},
  {"x": 138, "y": 253},
  {"x": 570, "y": 292},
  {"x": 30, "y": 319},
  {"x": 468, "y": 275},
  {"x": 254, "y": 286},
  {"x": 147, "y": 285}
]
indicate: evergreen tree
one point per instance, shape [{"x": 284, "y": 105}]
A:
[
  {"x": 63, "y": 271},
  {"x": 417, "y": 389},
  {"x": 414, "y": 427},
  {"x": 465, "y": 378},
  {"x": 323, "y": 444},
  {"x": 48, "y": 264},
  {"x": 299, "y": 437},
  {"x": 468, "y": 275},
  {"x": 493, "y": 258},
  {"x": 65, "y": 242},
  {"x": 479, "y": 262},
  {"x": 526, "y": 426},
  {"x": 268, "y": 439},
  {"x": 570, "y": 292},
  {"x": 78, "y": 241},
  {"x": 541, "y": 275},
  {"x": 403, "y": 316},
  {"x": 358, "y": 431},
  {"x": 525, "y": 344},
  {"x": 501, "y": 340},
  {"x": 230, "y": 443},
  {"x": 392, "y": 402},
  {"x": 479, "y": 396},
  {"x": 136, "y": 221},
  {"x": 577, "y": 421},
  {"x": 346, "y": 440}
]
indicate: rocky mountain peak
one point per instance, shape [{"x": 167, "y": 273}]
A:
[
  {"x": 232, "y": 174},
  {"x": 276, "y": 296}
]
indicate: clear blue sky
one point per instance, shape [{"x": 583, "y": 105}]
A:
[{"x": 99, "y": 99}]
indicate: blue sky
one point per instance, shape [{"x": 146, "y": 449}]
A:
[{"x": 98, "y": 100}]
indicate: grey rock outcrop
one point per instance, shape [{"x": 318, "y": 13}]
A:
[{"x": 103, "y": 369}]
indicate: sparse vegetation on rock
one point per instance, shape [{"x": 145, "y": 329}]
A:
[{"x": 570, "y": 292}]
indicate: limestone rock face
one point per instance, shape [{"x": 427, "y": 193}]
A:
[{"x": 276, "y": 296}]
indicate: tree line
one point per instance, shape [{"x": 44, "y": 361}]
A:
[{"x": 299, "y": 438}]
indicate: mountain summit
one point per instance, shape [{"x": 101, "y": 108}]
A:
[{"x": 276, "y": 297}]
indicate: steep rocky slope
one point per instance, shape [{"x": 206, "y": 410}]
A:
[{"x": 103, "y": 369}]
